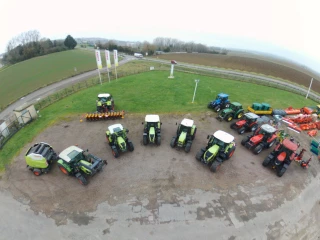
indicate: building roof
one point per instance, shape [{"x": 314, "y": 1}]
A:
[
  {"x": 115, "y": 128},
  {"x": 187, "y": 122},
  {"x": 152, "y": 118},
  {"x": 223, "y": 136},
  {"x": 267, "y": 128},
  {"x": 65, "y": 154},
  {"x": 251, "y": 115}
]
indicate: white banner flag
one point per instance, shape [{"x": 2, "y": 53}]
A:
[
  {"x": 115, "y": 55},
  {"x": 107, "y": 52},
  {"x": 98, "y": 59}
]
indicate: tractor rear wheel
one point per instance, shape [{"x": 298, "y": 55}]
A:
[
  {"x": 232, "y": 125},
  {"x": 244, "y": 140},
  {"x": 199, "y": 154},
  {"x": 115, "y": 153},
  {"x": 82, "y": 180},
  {"x": 258, "y": 149},
  {"x": 158, "y": 140},
  {"x": 230, "y": 153},
  {"x": 145, "y": 139},
  {"x": 188, "y": 147},
  {"x": 173, "y": 142},
  {"x": 215, "y": 166},
  {"x": 242, "y": 130},
  {"x": 229, "y": 118},
  {"x": 271, "y": 143},
  {"x": 63, "y": 169},
  {"x": 281, "y": 172},
  {"x": 37, "y": 172},
  {"x": 266, "y": 161},
  {"x": 130, "y": 146}
]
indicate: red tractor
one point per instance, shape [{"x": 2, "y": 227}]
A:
[
  {"x": 282, "y": 156},
  {"x": 248, "y": 123},
  {"x": 263, "y": 137}
]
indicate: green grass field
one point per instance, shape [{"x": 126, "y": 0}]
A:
[
  {"x": 152, "y": 92},
  {"x": 25, "y": 77}
]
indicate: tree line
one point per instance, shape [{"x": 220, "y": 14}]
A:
[{"x": 29, "y": 44}]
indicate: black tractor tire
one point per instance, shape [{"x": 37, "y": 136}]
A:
[
  {"x": 115, "y": 152},
  {"x": 37, "y": 172},
  {"x": 209, "y": 105},
  {"x": 200, "y": 154},
  {"x": 281, "y": 172},
  {"x": 188, "y": 147},
  {"x": 242, "y": 130},
  {"x": 230, "y": 153},
  {"x": 271, "y": 143},
  {"x": 145, "y": 139},
  {"x": 130, "y": 146},
  {"x": 194, "y": 134},
  {"x": 82, "y": 180},
  {"x": 173, "y": 142},
  {"x": 63, "y": 170},
  {"x": 229, "y": 118},
  {"x": 215, "y": 166},
  {"x": 217, "y": 108},
  {"x": 245, "y": 140},
  {"x": 254, "y": 128},
  {"x": 232, "y": 125},
  {"x": 240, "y": 115},
  {"x": 258, "y": 149},
  {"x": 267, "y": 161},
  {"x": 158, "y": 140}
]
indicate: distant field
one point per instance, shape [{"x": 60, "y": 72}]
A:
[
  {"x": 246, "y": 64},
  {"x": 25, "y": 77}
]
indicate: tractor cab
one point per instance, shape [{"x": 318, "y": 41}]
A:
[
  {"x": 186, "y": 132},
  {"x": 266, "y": 130},
  {"x": 221, "y": 139},
  {"x": 221, "y": 102},
  {"x": 221, "y": 97},
  {"x": 286, "y": 150},
  {"x": 152, "y": 129},
  {"x": 117, "y": 134},
  {"x": 185, "y": 127},
  {"x": 235, "y": 106},
  {"x": 249, "y": 118},
  {"x": 106, "y": 100},
  {"x": 234, "y": 111}
]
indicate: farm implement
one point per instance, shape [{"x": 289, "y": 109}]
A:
[
  {"x": 260, "y": 109},
  {"x": 104, "y": 116}
]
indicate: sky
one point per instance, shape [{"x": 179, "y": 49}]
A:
[{"x": 288, "y": 28}]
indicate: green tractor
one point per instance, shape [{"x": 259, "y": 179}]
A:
[
  {"x": 220, "y": 147},
  {"x": 152, "y": 130},
  {"x": 74, "y": 161},
  {"x": 118, "y": 140},
  {"x": 39, "y": 158},
  {"x": 235, "y": 111},
  {"x": 186, "y": 133}
]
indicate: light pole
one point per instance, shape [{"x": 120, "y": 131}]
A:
[{"x": 195, "y": 89}]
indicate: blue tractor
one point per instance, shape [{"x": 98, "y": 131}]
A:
[{"x": 221, "y": 102}]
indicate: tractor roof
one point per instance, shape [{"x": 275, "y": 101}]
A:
[
  {"x": 223, "y": 95},
  {"x": 223, "y": 136},
  {"x": 115, "y": 128},
  {"x": 237, "y": 104},
  {"x": 152, "y": 118},
  {"x": 187, "y": 122},
  {"x": 251, "y": 115},
  {"x": 105, "y": 95},
  {"x": 65, "y": 153},
  {"x": 290, "y": 145},
  {"x": 267, "y": 128}
]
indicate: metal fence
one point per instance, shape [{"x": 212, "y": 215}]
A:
[{"x": 12, "y": 125}]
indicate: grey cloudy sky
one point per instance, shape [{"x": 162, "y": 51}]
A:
[{"x": 285, "y": 27}]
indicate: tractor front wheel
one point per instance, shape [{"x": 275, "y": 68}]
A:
[
  {"x": 37, "y": 172},
  {"x": 271, "y": 143},
  {"x": 145, "y": 139},
  {"x": 229, "y": 118},
  {"x": 199, "y": 154},
  {"x": 217, "y": 109},
  {"x": 158, "y": 140},
  {"x": 63, "y": 170},
  {"x": 115, "y": 153},
  {"x": 242, "y": 130},
  {"x": 188, "y": 147},
  {"x": 82, "y": 180},
  {"x": 215, "y": 166},
  {"x": 244, "y": 140},
  {"x": 130, "y": 146},
  {"x": 281, "y": 172},
  {"x": 173, "y": 142},
  {"x": 240, "y": 115},
  {"x": 258, "y": 149},
  {"x": 266, "y": 161},
  {"x": 230, "y": 153},
  {"x": 232, "y": 125}
]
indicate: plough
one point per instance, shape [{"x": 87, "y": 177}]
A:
[
  {"x": 305, "y": 118},
  {"x": 104, "y": 116}
]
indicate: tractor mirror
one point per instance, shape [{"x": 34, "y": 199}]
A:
[
  {"x": 87, "y": 150},
  {"x": 142, "y": 123},
  {"x": 127, "y": 130},
  {"x": 160, "y": 123},
  {"x": 208, "y": 136},
  {"x": 176, "y": 123}
]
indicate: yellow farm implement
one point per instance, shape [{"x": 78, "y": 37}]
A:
[{"x": 104, "y": 116}]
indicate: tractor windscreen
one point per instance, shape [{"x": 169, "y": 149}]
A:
[
  {"x": 76, "y": 156},
  {"x": 218, "y": 142}
]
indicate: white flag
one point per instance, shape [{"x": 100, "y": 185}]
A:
[
  {"x": 98, "y": 59},
  {"x": 107, "y": 53},
  {"x": 115, "y": 55}
]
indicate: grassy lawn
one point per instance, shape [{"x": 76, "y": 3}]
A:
[
  {"x": 152, "y": 92},
  {"x": 25, "y": 77}
]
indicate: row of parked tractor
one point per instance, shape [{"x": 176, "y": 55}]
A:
[{"x": 220, "y": 146}]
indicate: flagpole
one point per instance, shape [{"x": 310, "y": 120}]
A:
[
  {"x": 309, "y": 88},
  {"x": 99, "y": 76},
  {"x": 115, "y": 68}
]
